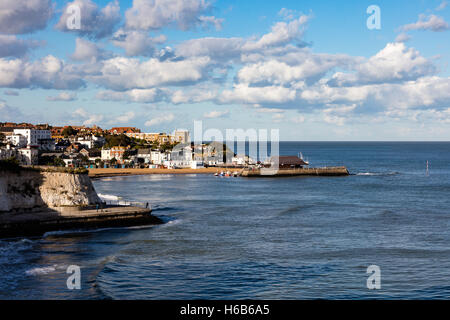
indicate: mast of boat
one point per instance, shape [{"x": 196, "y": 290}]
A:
[{"x": 427, "y": 169}]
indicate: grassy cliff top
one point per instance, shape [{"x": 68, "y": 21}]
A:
[{"x": 12, "y": 165}]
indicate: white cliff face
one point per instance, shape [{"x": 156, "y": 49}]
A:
[{"x": 33, "y": 190}]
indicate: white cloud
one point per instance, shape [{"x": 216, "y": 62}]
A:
[
  {"x": 226, "y": 49},
  {"x": 242, "y": 93},
  {"x": 24, "y": 16},
  {"x": 95, "y": 22},
  {"x": 282, "y": 33},
  {"x": 86, "y": 51},
  {"x": 431, "y": 23},
  {"x": 47, "y": 73},
  {"x": 11, "y": 46},
  {"x": 394, "y": 63},
  {"x": 156, "y": 14},
  {"x": 125, "y": 118},
  {"x": 403, "y": 37},
  {"x": 129, "y": 73},
  {"x": 166, "y": 118},
  {"x": 63, "y": 96},
  {"x": 211, "y": 20},
  {"x": 305, "y": 66},
  {"x": 137, "y": 43},
  {"x": 216, "y": 114},
  {"x": 442, "y": 6},
  {"x": 88, "y": 118},
  {"x": 135, "y": 95},
  {"x": 195, "y": 94}
]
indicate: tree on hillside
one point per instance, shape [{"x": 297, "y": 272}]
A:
[
  {"x": 69, "y": 131},
  {"x": 117, "y": 140}
]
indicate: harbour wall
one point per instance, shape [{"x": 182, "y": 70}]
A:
[{"x": 325, "y": 171}]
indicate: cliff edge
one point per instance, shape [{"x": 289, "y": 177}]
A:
[{"x": 29, "y": 190}]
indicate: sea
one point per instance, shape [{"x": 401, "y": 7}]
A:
[{"x": 381, "y": 233}]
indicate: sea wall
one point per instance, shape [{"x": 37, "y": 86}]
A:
[
  {"x": 27, "y": 190},
  {"x": 325, "y": 171}
]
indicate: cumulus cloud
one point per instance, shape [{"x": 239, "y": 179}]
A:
[
  {"x": 402, "y": 37},
  {"x": 47, "y": 73},
  {"x": 282, "y": 33},
  {"x": 88, "y": 118},
  {"x": 394, "y": 63},
  {"x": 216, "y": 114},
  {"x": 430, "y": 22},
  {"x": 87, "y": 51},
  {"x": 442, "y": 6},
  {"x": 129, "y": 73},
  {"x": 96, "y": 23},
  {"x": 303, "y": 66},
  {"x": 11, "y": 46},
  {"x": 156, "y": 14},
  {"x": 195, "y": 94},
  {"x": 137, "y": 43},
  {"x": 268, "y": 95},
  {"x": 24, "y": 16},
  {"x": 135, "y": 95},
  {"x": 125, "y": 118},
  {"x": 63, "y": 96},
  {"x": 166, "y": 118},
  {"x": 228, "y": 49}
]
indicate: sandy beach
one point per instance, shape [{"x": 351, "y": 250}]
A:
[{"x": 110, "y": 172}]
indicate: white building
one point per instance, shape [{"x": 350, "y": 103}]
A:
[
  {"x": 29, "y": 156},
  {"x": 86, "y": 142},
  {"x": 37, "y": 138},
  {"x": 17, "y": 140},
  {"x": 106, "y": 154},
  {"x": 25, "y": 156},
  {"x": 158, "y": 157}
]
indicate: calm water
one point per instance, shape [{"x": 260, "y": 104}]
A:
[{"x": 286, "y": 238}]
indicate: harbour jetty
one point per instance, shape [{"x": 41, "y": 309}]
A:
[
  {"x": 37, "y": 200},
  {"x": 287, "y": 166},
  {"x": 326, "y": 171}
]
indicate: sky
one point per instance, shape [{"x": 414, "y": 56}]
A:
[{"x": 315, "y": 70}]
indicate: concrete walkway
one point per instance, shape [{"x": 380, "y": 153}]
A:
[{"x": 13, "y": 224}]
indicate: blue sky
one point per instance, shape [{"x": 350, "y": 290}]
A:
[{"x": 310, "y": 68}]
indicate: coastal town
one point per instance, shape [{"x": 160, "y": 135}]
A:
[{"x": 117, "y": 147}]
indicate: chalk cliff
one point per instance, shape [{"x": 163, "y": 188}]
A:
[{"x": 28, "y": 190}]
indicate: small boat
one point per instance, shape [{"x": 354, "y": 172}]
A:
[{"x": 216, "y": 174}]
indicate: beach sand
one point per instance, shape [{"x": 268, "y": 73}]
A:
[{"x": 110, "y": 172}]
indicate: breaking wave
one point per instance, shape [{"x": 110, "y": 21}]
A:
[
  {"x": 377, "y": 173},
  {"x": 108, "y": 197}
]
